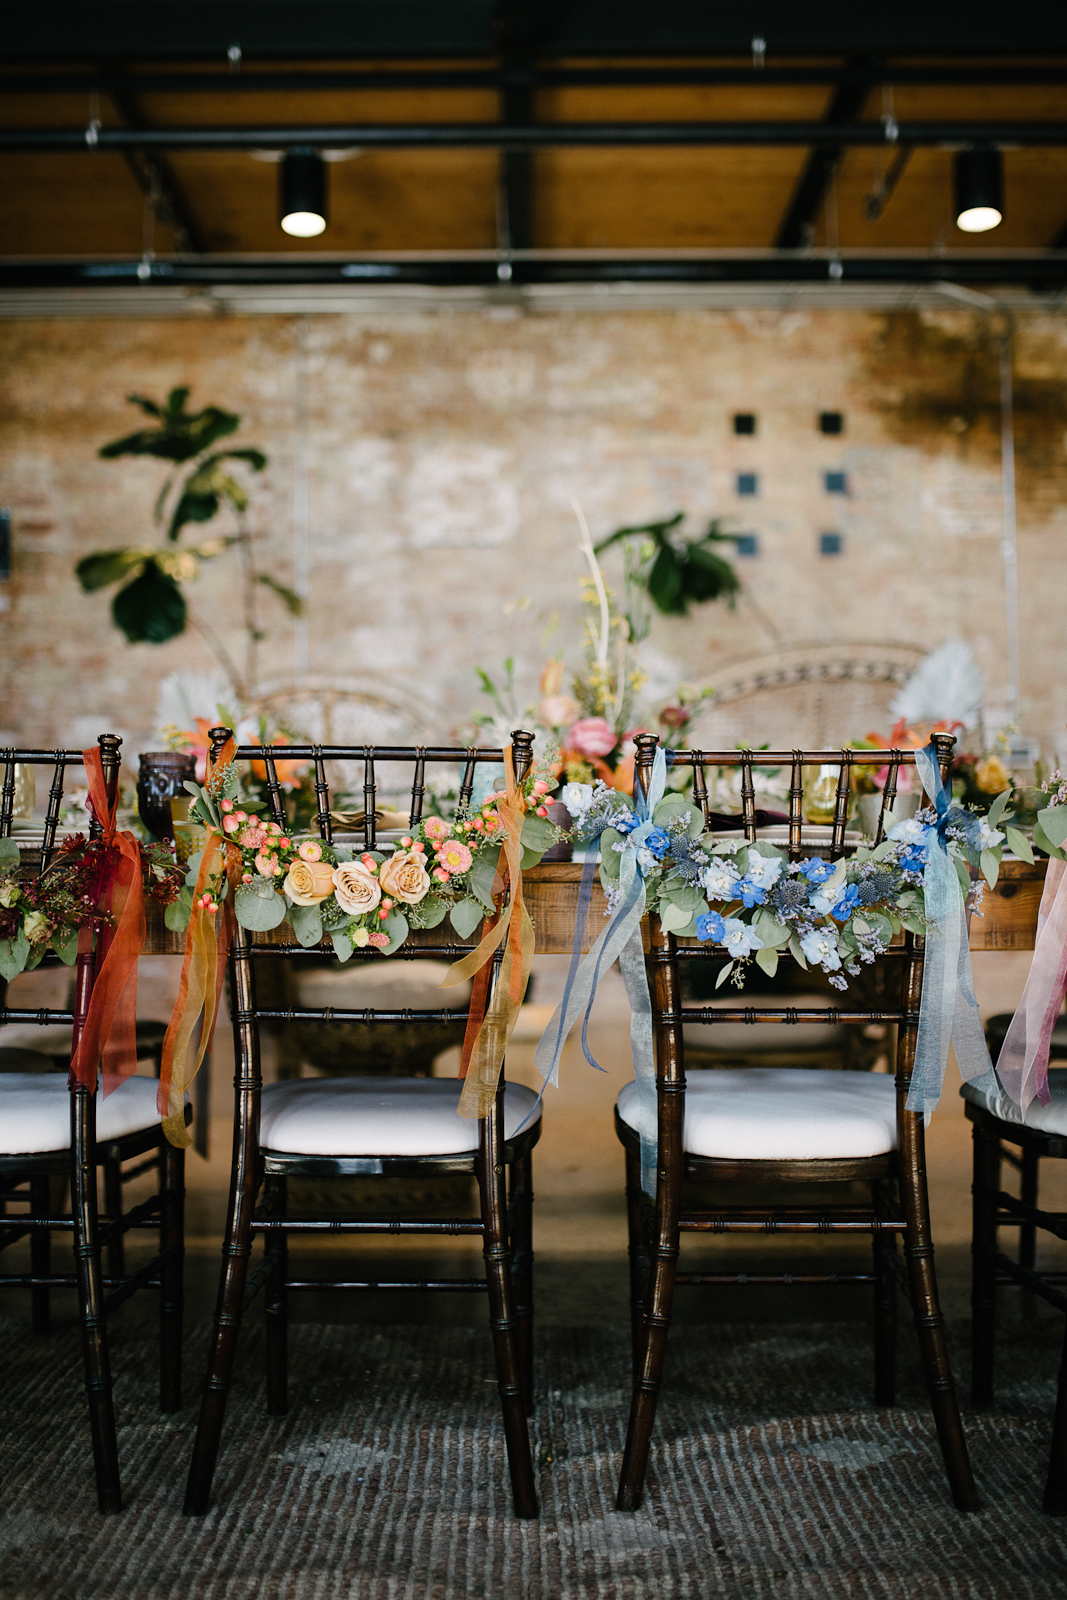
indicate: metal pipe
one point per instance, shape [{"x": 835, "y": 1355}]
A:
[{"x": 453, "y": 135}]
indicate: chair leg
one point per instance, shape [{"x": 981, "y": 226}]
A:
[
  {"x": 638, "y": 1255},
  {"x": 520, "y": 1230},
  {"x": 984, "y": 1191},
  {"x": 929, "y": 1322},
  {"x": 91, "y": 1299},
  {"x": 1028, "y": 1195},
  {"x": 171, "y": 1275},
  {"x": 277, "y": 1308},
  {"x": 501, "y": 1308},
  {"x": 652, "y": 1352},
  {"x": 237, "y": 1244},
  {"x": 1055, "y": 1500},
  {"x": 885, "y": 1308},
  {"x": 116, "y": 1245},
  {"x": 40, "y": 1256}
]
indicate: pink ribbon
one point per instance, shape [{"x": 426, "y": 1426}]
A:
[{"x": 1023, "y": 1063}]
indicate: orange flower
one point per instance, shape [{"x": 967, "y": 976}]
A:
[{"x": 289, "y": 772}]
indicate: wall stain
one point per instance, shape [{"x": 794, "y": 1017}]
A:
[{"x": 936, "y": 385}]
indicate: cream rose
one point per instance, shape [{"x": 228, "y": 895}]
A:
[
  {"x": 404, "y": 876},
  {"x": 308, "y": 882},
  {"x": 356, "y": 888}
]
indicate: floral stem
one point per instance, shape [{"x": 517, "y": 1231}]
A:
[{"x": 594, "y": 567}]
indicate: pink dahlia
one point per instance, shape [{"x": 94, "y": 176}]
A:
[{"x": 591, "y": 737}]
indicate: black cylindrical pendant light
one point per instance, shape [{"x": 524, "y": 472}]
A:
[
  {"x": 302, "y": 193},
  {"x": 979, "y": 190}
]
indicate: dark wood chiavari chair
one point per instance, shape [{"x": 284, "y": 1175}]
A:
[
  {"x": 275, "y": 1140},
  {"x": 702, "y": 1147},
  {"x": 1000, "y": 1135},
  {"x": 43, "y": 1138}
]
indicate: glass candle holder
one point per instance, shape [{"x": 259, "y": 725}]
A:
[
  {"x": 819, "y": 799},
  {"x": 161, "y": 779},
  {"x": 25, "y": 799}
]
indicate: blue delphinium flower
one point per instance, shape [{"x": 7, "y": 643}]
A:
[
  {"x": 844, "y": 907},
  {"x": 709, "y": 926},
  {"x": 912, "y": 858},
  {"x": 752, "y": 894},
  {"x": 817, "y": 870},
  {"x": 624, "y": 821}
]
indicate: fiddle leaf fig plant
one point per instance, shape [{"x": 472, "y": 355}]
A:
[
  {"x": 676, "y": 571},
  {"x": 151, "y": 606}
]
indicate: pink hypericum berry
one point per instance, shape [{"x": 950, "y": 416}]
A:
[
  {"x": 227, "y": 805},
  {"x": 542, "y": 811},
  {"x": 540, "y": 787},
  {"x": 369, "y": 862},
  {"x": 246, "y": 877},
  {"x": 478, "y": 824},
  {"x": 272, "y": 827},
  {"x": 213, "y": 907},
  {"x": 387, "y": 905},
  {"x": 421, "y": 848},
  {"x": 242, "y": 816},
  {"x": 406, "y": 843},
  {"x": 285, "y": 843},
  {"x": 441, "y": 875},
  {"x": 230, "y": 824},
  {"x": 382, "y": 913}
]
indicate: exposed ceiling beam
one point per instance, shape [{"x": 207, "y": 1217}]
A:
[
  {"x": 329, "y": 80},
  {"x": 399, "y": 135},
  {"x": 798, "y": 224},
  {"x": 155, "y": 178},
  {"x": 517, "y": 37},
  {"x": 1030, "y": 269}
]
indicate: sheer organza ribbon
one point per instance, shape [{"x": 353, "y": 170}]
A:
[
  {"x": 108, "y": 1035},
  {"x": 1022, "y": 1065},
  {"x": 492, "y": 1017},
  {"x": 207, "y": 948},
  {"x": 948, "y": 1010},
  {"x": 621, "y": 941}
]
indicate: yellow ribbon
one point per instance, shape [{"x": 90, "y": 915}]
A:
[{"x": 484, "y": 1047}]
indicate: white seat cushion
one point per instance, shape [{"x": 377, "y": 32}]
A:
[
  {"x": 1048, "y": 1119},
  {"x": 783, "y": 1114},
  {"x": 378, "y": 1117},
  {"x": 35, "y": 1111}
]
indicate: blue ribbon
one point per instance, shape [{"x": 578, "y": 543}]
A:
[
  {"x": 948, "y": 1010},
  {"x": 620, "y": 941}
]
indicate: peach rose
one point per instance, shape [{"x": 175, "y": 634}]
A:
[
  {"x": 404, "y": 876},
  {"x": 308, "y": 882},
  {"x": 356, "y": 889}
]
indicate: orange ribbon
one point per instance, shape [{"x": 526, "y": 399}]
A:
[
  {"x": 490, "y": 1028},
  {"x": 109, "y": 1030},
  {"x": 207, "y": 948}
]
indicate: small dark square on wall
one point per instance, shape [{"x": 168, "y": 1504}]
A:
[
  {"x": 836, "y": 482},
  {"x": 747, "y": 483},
  {"x": 747, "y": 544},
  {"x": 744, "y": 422},
  {"x": 831, "y": 544},
  {"x": 831, "y": 422}
]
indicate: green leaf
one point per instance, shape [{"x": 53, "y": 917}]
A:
[
  {"x": 151, "y": 609},
  {"x": 673, "y": 917},
  {"x": 396, "y": 927},
  {"x": 483, "y": 876},
  {"x": 68, "y": 953},
  {"x": 289, "y": 597},
  {"x": 306, "y": 923},
  {"x": 465, "y": 917},
  {"x": 105, "y": 567},
  {"x": 429, "y": 913},
  {"x": 767, "y": 959},
  {"x": 796, "y": 952},
  {"x": 1042, "y": 842},
  {"x": 963, "y": 874},
  {"x": 177, "y": 914},
  {"x": 880, "y": 925},
  {"x": 724, "y": 974},
  {"x": 665, "y": 583},
  {"x": 257, "y": 914},
  {"x": 610, "y": 859},
  {"x": 913, "y": 922},
  {"x": 538, "y": 834},
  {"x": 1053, "y": 820},
  {"x": 1018, "y": 844},
  {"x": 706, "y": 576},
  {"x": 774, "y": 934},
  {"x": 990, "y": 868},
  {"x": 672, "y": 805},
  {"x": 181, "y": 434},
  {"x": 342, "y": 945},
  {"x": 9, "y": 850},
  {"x": 264, "y": 887},
  {"x": 997, "y": 809},
  {"x": 14, "y": 954}
]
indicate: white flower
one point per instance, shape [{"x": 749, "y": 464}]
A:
[
  {"x": 987, "y": 836},
  {"x": 577, "y": 797},
  {"x": 647, "y": 861},
  {"x": 762, "y": 871},
  {"x": 739, "y": 938},
  {"x": 820, "y": 948},
  {"x": 909, "y": 831},
  {"x": 718, "y": 878}
]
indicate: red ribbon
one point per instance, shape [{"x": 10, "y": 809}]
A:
[{"x": 108, "y": 1035}]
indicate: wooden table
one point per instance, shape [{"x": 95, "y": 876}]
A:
[{"x": 1008, "y": 920}]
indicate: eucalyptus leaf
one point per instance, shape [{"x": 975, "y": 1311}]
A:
[
  {"x": 724, "y": 974},
  {"x": 537, "y": 833},
  {"x": 610, "y": 859},
  {"x": 342, "y": 945},
  {"x": 12, "y": 958},
  {"x": 796, "y": 952},
  {"x": 674, "y": 918},
  {"x": 395, "y": 927},
  {"x": 773, "y": 933},
  {"x": 1053, "y": 821},
  {"x": 465, "y": 917},
  {"x": 767, "y": 959},
  {"x": 913, "y": 922},
  {"x": 1018, "y": 844},
  {"x": 9, "y": 850},
  {"x": 990, "y": 868},
  {"x": 997, "y": 809},
  {"x": 256, "y": 914},
  {"x": 672, "y": 805},
  {"x": 68, "y": 953},
  {"x": 963, "y": 874},
  {"x": 306, "y": 923},
  {"x": 176, "y": 915},
  {"x": 1042, "y": 842},
  {"x": 264, "y": 887},
  {"x": 483, "y": 876}
]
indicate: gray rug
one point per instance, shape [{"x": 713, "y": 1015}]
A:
[{"x": 772, "y": 1474}]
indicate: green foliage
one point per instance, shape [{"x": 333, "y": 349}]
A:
[
  {"x": 289, "y": 597},
  {"x": 206, "y": 488},
  {"x": 151, "y": 609},
  {"x": 181, "y": 434},
  {"x": 682, "y": 571}
]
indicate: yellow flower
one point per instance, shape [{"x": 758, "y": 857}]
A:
[{"x": 992, "y": 776}]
